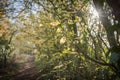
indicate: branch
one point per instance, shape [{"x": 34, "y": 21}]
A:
[
  {"x": 92, "y": 59},
  {"x": 11, "y": 37}
]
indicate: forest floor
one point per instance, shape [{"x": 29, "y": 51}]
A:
[
  {"x": 27, "y": 69},
  {"x": 23, "y": 67}
]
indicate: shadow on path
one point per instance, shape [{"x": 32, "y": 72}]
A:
[{"x": 27, "y": 70}]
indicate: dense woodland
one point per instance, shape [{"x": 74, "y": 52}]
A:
[{"x": 59, "y": 39}]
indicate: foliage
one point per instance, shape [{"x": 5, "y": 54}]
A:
[
  {"x": 6, "y": 47},
  {"x": 57, "y": 53},
  {"x": 69, "y": 42}
]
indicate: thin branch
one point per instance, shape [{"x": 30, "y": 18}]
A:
[
  {"x": 92, "y": 59},
  {"x": 11, "y": 37}
]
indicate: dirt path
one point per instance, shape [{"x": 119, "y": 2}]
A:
[{"x": 27, "y": 70}]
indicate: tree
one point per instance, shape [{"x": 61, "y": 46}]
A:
[
  {"x": 60, "y": 31},
  {"x": 110, "y": 29},
  {"x": 6, "y": 35}
]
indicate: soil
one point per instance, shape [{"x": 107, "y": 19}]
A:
[{"x": 27, "y": 70}]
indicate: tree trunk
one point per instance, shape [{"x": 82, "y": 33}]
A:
[
  {"x": 106, "y": 22},
  {"x": 99, "y": 4}
]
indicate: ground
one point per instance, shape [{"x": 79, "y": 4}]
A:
[
  {"x": 24, "y": 68},
  {"x": 27, "y": 69}
]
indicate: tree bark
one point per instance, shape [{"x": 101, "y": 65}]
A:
[
  {"x": 106, "y": 22},
  {"x": 115, "y": 5},
  {"x": 99, "y": 4}
]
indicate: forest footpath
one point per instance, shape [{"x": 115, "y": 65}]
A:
[{"x": 27, "y": 69}]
